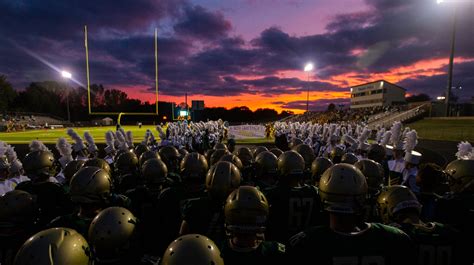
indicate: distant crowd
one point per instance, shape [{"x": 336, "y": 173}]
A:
[
  {"x": 343, "y": 115},
  {"x": 18, "y": 122}
]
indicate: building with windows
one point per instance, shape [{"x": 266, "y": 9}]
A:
[
  {"x": 377, "y": 94},
  {"x": 197, "y": 110},
  {"x": 197, "y": 105}
]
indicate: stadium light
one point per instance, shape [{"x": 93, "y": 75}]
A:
[
  {"x": 66, "y": 75},
  {"x": 451, "y": 56},
  {"x": 441, "y": 98},
  {"x": 308, "y": 68}
]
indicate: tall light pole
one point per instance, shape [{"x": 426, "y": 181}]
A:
[
  {"x": 66, "y": 75},
  {"x": 451, "y": 59},
  {"x": 308, "y": 68}
]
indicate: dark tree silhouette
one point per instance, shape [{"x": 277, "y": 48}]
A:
[{"x": 50, "y": 98}]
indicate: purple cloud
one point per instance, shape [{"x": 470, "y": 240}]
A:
[
  {"x": 200, "y": 51},
  {"x": 200, "y": 23}
]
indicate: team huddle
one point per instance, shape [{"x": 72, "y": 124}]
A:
[{"x": 325, "y": 194}]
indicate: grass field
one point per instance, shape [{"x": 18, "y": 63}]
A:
[
  {"x": 447, "y": 130},
  {"x": 51, "y": 136}
]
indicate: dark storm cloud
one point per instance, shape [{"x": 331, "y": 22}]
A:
[
  {"x": 388, "y": 4},
  {"x": 209, "y": 86},
  {"x": 391, "y": 34},
  {"x": 198, "y": 53},
  {"x": 60, "y": 19},
  {"x": 280, "y": 51},
  {"x": 353, "y": 21},
  {"x": 411, "y": 30},
  {"x": 200, "y": 23},
  {"x": 273, "y": 85},
  {"x": 53, "y": 30}
]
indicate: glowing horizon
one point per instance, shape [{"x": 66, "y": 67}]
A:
[{"x": 426, "y": 68}]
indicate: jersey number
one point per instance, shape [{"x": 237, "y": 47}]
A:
[
  {"x": 365, "y": 260},
  {"x": 300, "y": 212},
  {"x": 434, "y": 255}
]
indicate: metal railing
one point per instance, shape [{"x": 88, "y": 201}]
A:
[{"x": 401, "y": 117}]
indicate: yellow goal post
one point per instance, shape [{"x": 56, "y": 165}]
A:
[{"x": 120, "y": 114}]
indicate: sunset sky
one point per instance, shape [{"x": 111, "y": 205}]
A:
[{"x": 240, "y": 52}]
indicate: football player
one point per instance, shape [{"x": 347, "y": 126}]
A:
[
  {"x": 205, "y": 215},
  {"x": 193, "y": 169},
  {"x": 54, "y": 246},
  {"x": 436, "y": 243},
  {"x": 246, "y": 210},
  {"x": 345, "y": 240},
  {"x": 294, "y": 206},
  {"x": 18, "y": 212},
  {"x": 114, "y": 237},
  {"x": 457, "y": 207},
  {"x": 90, "y": 189},
  {"x": 192, "y": 249},
  {"x": 51, "y": 197}
]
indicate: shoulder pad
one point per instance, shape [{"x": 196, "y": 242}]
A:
[
  {"x": 164, "y": 192},
  {"x": 120, "y": 200},
  {"x": 280, "y": 247},
  {"x": 297, "y": 239},
  {"x": 387, "y": 228}
]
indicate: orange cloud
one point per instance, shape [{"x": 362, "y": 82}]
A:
[
  {"x": 423, "y": 68},
  {"x": 254, "y": 102}
]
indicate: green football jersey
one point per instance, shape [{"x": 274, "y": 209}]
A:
[
  {"x": 51, "y": 199},
  {"x": 169, "y": 205},
  {"x": 437, "y": 244},
  {"x": 73, "y": 221},
  {"x": 11, "y": 240},
  {"x": 268, "y": 252},
  {"x": 262, "y": 185},
  {"x": 376, "y": 244},
  {"x": 457, "y": 210},
  {"x": 292, "y": 210},
  {"x": 206, "y": 217}
]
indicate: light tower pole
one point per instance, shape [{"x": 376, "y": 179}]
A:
[
  {"x": 451, "y": 62},
  {"x": 66, "y": 75},
  {"x": 451, "y": 55},
  {"x": 308, "y": 68}
]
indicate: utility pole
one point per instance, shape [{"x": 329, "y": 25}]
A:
[
  {"x": 451, "y": 61},
  {"x": 307, "y": 96}
]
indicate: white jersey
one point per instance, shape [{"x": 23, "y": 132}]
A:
[
  {"x": 396, "y": 165},
  {"x": 327, "y": 150},
  {"x": 109, "y": 159},
  {"x": 53, "y": 179},
  {"x": 60, "y": 177},
  {"x": 409, "y": 179},
  {"x": 83, "y": 158},
  {"x": 19, "y": 179},
  {"x": 6, "y": 186}
]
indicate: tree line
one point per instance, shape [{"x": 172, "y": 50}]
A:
[{"x": 50, "y": 97}]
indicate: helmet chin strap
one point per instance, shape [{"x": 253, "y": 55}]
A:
[
  {"x": 468, "y": 186},
  {"x": 244, "y": 245}
]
